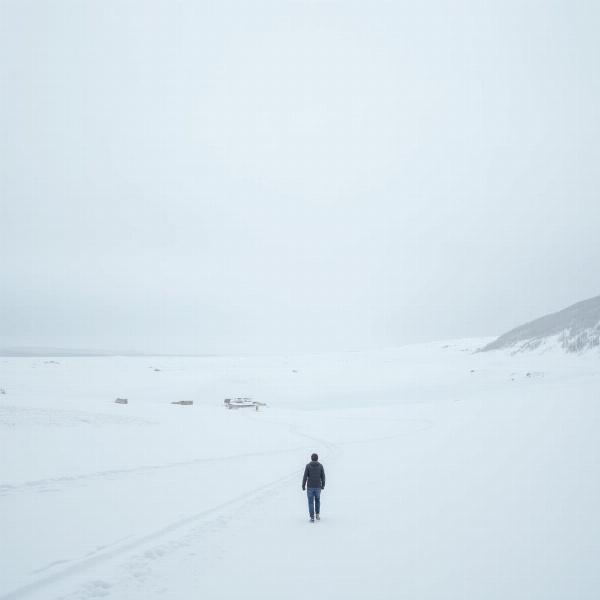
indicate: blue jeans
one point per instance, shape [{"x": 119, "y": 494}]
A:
[{"x": 314, "y": 500}]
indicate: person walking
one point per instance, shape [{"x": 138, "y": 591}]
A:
[{"x": 314, "y": 478}]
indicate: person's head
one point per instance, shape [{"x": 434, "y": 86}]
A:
[{"x": 314, "y": 456}]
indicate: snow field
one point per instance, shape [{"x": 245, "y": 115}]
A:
[{"x": 449, "y": 475}]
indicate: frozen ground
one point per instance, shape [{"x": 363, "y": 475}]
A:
[{"x": 450, "y": 475}]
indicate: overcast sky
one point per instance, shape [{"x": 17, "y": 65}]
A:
[{"x": 292, "y": 176}]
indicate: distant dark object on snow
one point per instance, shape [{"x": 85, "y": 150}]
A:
[
  {"x": 234, "y": 403},
  {"x": 184, "y": 402},
  {"x": 576, "y": 329},
  {"x": 2, "y": 391},
  {"x": 121, "y": 401}
]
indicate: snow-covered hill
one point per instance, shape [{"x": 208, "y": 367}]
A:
[{"x": 574, "y": 329}]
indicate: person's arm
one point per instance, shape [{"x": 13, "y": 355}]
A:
[
  {"x": 305, "y": 478},
  {"x": 322, "y": 477}
]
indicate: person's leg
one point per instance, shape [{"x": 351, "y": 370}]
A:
[
  {"x": 311, "y": 499},
  {"x": 317, "y": 500}
]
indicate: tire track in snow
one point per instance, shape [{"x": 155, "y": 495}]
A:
[
  {"x": 89, "y": 561},
  {"x": 39, "y": 485},
  {"x": 142, "y": 542},
  {"x": 139, "y": 542}
]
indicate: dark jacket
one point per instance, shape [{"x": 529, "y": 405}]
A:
[{"x": 314, "y": 475}]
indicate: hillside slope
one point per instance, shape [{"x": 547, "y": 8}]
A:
[{"x": 574, "y": 329}]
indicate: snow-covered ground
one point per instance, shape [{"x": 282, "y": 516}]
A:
[{"x": 449, "y": 475}]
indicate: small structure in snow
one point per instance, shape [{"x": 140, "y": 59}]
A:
[
  {"x": 235, "y": 403},
  {"x": 121, "y": 401},
  {"x": 184, "y": 402},
  {"x": 2, "y": 391}
]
